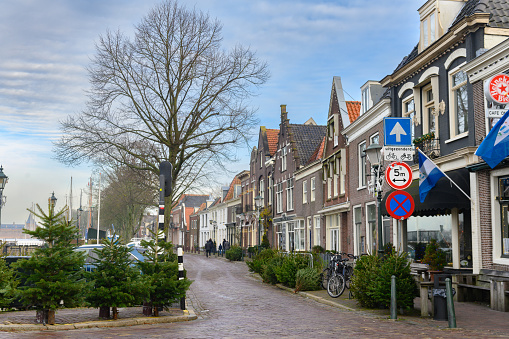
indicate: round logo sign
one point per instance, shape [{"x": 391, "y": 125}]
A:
[
  {"x": 400, "y": 205},
  {"x": 497, "y": 89},
  {"x": 398, "y": 175}
]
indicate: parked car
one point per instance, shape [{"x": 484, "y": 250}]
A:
[{"x": 91, "y": 256}]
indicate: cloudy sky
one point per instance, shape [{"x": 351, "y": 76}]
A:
[{"x": 45, "y": 46}]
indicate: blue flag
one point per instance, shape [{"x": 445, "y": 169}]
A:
[
  {"x": 429, "y": 174},
  {"x": 495, "y": 147}
]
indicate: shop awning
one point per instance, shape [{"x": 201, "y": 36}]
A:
[{"x": 442, "y": 198}]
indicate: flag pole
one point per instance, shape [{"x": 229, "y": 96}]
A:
[{"x": 444, "y": 174}]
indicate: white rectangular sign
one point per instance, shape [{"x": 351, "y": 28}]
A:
[
  {"x": 395, "y": 153},
  {"x": 495, "y": 113}
]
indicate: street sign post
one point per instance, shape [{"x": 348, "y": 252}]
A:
[
  {"x": 398, "y": 175},
  {"x": 400, "y": 205},
  {"x": 397, "y": 132}
]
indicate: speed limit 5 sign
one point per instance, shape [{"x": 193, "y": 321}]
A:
[{"x": 398, "y": 175}]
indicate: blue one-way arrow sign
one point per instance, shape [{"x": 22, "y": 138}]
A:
[{"x": 397, "y": 132}]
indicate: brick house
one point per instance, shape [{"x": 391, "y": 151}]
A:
[
  {"x": 297, "y": 143},
  {"x": 431, "y": 87},
  {"x": 336, "y": 235},
  {"x": 490, "y": 227},
  {"x": 262, "y": 182},
  {"x": 361, "y": 133},
  {"x": 180, "y": 219}
]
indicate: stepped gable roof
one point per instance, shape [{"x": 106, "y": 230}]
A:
[
  {"x": 499, "y": 10},
  {"x": 307, "y": 138},
  {"x": 319, "y": 151},
  {"x": 272, "y": 138},
  {"x": 229, "y": 195},
  {"x": 354, "y": 109}
]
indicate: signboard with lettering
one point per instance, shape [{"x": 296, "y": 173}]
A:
[
  {"x": 496, "y": 89},
  {"x": 398, "y": 153}
]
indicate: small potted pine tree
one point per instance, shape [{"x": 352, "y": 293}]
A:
[{"x": 434, "y": 257}]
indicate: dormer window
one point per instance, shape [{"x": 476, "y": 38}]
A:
[
  {"x": 428, "y": 30},
  {"x": 365, "y": 100}
]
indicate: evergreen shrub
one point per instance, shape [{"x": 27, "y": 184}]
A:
[
  {"x": 371, "y": 283},
  {"x": 234, "y": 253},
  {"x": 307, "y": 279},
  {"x": 53, "y": 277},
  {"x": 260, "y": 261},
  {"x": 287, "y": 272},
  {"x": 269, "y": 271}
]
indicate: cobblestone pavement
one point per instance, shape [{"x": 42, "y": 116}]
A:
[
  {"x": 69, "y": 316},
  {"x": 231, "y": 303}
]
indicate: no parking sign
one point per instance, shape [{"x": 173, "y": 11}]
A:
[{"x": 400, "y": 205}]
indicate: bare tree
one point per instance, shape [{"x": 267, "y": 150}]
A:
[
  {"x": 170, "y": 93},
  {"x": 125, "y": 200}
]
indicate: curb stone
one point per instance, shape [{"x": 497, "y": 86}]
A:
[{"x": 188, "y": 316}]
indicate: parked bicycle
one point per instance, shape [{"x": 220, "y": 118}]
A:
[{"x": 337, "y": 282}]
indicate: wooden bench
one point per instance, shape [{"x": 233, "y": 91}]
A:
[{"x": 469, "y": 288}]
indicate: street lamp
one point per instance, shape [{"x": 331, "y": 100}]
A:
[
  {"x": 373, "y": 152},
  {"x": 258, "y": 201},
  {"x": 241, "y": 219},
  {"x": 3, "y": 181},
  {"x": 52, "y": 200}
]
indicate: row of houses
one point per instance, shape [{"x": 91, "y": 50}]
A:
[{"x": 310, "y": 185}]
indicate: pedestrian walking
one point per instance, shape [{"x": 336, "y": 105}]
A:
[
  {"x": 208, "y": 247},
  {"x": 221, "y": 249}
]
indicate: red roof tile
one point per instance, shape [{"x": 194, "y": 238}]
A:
[
  {"x": 354, "y": 110},
  {"x": 272, "y": 135},
  {"x": 319, "y": 151},
  {"x": 229, "y": 195}
]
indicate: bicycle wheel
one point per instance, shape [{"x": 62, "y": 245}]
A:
[
  {"x": 348, "y": 276},
  {"x": 336, "y": 285},
  {"x": 325, "y": 277}
]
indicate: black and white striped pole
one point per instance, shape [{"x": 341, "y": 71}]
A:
[
  {"x": 180, "y": 254},
  {"x": 165, "y": 177}
]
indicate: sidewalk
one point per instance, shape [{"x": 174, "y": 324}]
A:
[
  {"x": 78, "y": 318},
  {"x": 469, "y": 316}
]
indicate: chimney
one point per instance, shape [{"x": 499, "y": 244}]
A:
[{"x": 283, "y": 113}]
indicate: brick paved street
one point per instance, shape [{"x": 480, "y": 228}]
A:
[{"x": 231, "y": 303}]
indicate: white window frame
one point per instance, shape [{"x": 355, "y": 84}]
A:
[
  {"x": 357, "y": 224},
  {"x": 429, "y": 105},
  {"x": 370, "y": 241},
  {"x": 279, "y": 197},
  {"x": 305, "y": 192},
  {"x": 330, "y": 170},
  {"x": 496, "y": 222},
  {"x": 336, "y": 177},
  {"x": 313, "y": 188},
  {"x": 409, "y": 113},
  {"x": 300, "y": 235},
  {"x": 283, "y": 159},
  {"x": 262, "y": 191},
  {"x": 289, "y": 194},
  {"x": 317, "y": 233},
  {"x": 270, "y": 186},
  {"x": 429, "y": 30},
  {"x": 373, "y": 137},
  {"x": 453, "y": 114},
  {"x": 362, "y": 165}
]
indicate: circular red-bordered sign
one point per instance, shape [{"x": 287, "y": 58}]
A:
[
  {"x": 398, "y": 175},
  {"x": 400, "y": 205},
  {"x": 497, "y": 89}
]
